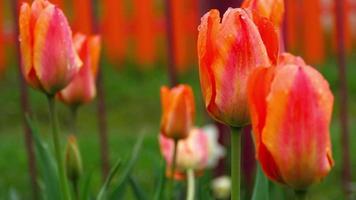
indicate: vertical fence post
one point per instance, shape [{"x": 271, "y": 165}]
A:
[
  {"x": 344, "y": 120},
  {"x": 24, "y": 104},
  {"x": 101, "y": 107},
  {"x": 172, "y": 68}
]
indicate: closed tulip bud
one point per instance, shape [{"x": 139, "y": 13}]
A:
[
  {"x": 73, "y": 161},
  {"x": 178, "y": 111},
  {"x": 291, "y": 106},
  {"x": 271, "y": 9},
  {"x": 49, "y": 58},
  {"x": 228, "y": 51},
  {"x": 221, "y": 187},
  {"x": 82, "y": 89}
]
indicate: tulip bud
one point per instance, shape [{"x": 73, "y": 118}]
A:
[
  {"x": 82, "y": 89},
  {"x": 178, "y": 111},
  {"x": 291, "y": 106},
  {"x": 49, "y": 58},
  {"x": 228, "y": 51},
  {"x": 73, "y": 161},
  {"x": 221, "y": 187}
]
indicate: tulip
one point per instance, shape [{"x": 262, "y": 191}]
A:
[
  {"x": 199, "y": 151},
  {"x": 221, "y": 187},
  {"x": 271, "y": 9},
  {"x": 49, "y": 57},
  {"x": 178, "y": 111},
  {"x": 82, "y": 88},
  {"x": 228, "y": 52},
  {"x": 73, "y": 163},
  {"x": 73, "y": 159},
  {"x": 291, "y": 106}
]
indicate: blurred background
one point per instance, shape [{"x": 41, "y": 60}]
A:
[{"x": 150, "y": 43}]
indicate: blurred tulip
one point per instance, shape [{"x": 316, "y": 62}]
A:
[
  {"x": 82, "y": 16},
  {"x": 2, "y": 39},
  {"x": 291, "y": 106},
  {"x": 271, "y": 9},
  {"x": 114, "y": 35},
  {"x": 313, "y": 35},
  {"x": 228, "y": 52},
  {"x": 178, "y": 111},
  {"x": 73, "y": 161},
  {"x": 199, "y": 151},
  {"x": 49, "y": 57},
  {"x": 221, "y": 187},
  {"x": 82, "y": 88},
  {"x": 145, "y": 34}
]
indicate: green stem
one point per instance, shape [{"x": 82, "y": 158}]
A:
[
  {"x": 301, "y": 195},
  {"x": 74, "y": 114},
  {"x": 173, "y": 168},
  {"x": 191, "y": 184},
  {"x": 76, "y": 188},
  {"x": 57, "y": 148},
  {"x": 235, "y": 163}
]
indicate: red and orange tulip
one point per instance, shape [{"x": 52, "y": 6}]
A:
[
  {"x": 82, "y": 88},
  {"x": 178, "y": 111},
  {"x": 271, "y": 9},
  {"x": 228, "y": 51},
  {"x": 291, "y": 106},
  {"x": 2, "y": 39},
  {"x": 49, "y": 57}
]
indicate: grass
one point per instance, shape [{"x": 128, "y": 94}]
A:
[{"x": 133, "y": 106}]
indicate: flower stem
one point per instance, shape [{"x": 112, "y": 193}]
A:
[
  {"x": 235, "y": 162},
  {"x": 57, "y": 148},
  {"x": 301, "y": 195},
  {"x": 173, "y": 168},
  {"x": 191, "y": 184},
  {"x": 74, "y": 114}
]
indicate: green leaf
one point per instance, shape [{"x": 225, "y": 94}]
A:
[
  {"x": 46, "y": 164},
  {"x": 119, "y": 190},
  {"x": 84, "y": 187},
  {"x": 137, "y": 190},
  {"x": 161, "y": 182},
  {"x": 102, "y": 194},
  {"x": 261, "y": 189}
]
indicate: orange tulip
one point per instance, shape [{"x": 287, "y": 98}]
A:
[
  {"x": 146, "y": 35},
  {"x": 178, "y": 111},
  {"x": 271, "y": 9},
  {"x": 291, "y": 107},
  {"x": 82, "y": 16},
  {"x": 2, "y": 39},
  {"x": 49, "y": 57},
  {"x": 228, "y": 52},
  {"x": 114, "y": 27},
  {"x": 82, "y": 88}
]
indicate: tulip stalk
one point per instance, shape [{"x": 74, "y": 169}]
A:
[
  {"x": 74, "y": 114},
  {"x": 191, "y": 184},
  {"x": 57, "y": 148},
  {"x": 235, "y": 162},
  {"x": 301, "y": 195},
  {"x": 173, "y": 167}
]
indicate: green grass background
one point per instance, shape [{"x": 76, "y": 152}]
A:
[{"x": 133, "y": 107}]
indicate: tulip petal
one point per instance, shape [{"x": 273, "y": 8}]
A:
[
  {"x": 258, "y": 89},
  {"x": 26, "y": 46},
  {"x": 55, "y": 59},
  {"x": 297, "y": 132},
  {"x": 269, "y": 36},
  {"x": 94, "y": 47}
]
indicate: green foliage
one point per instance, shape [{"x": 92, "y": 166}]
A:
[{"x": 261, "y": 189}]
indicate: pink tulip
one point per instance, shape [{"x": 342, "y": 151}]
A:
[{"x": 49, "y": 57}]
